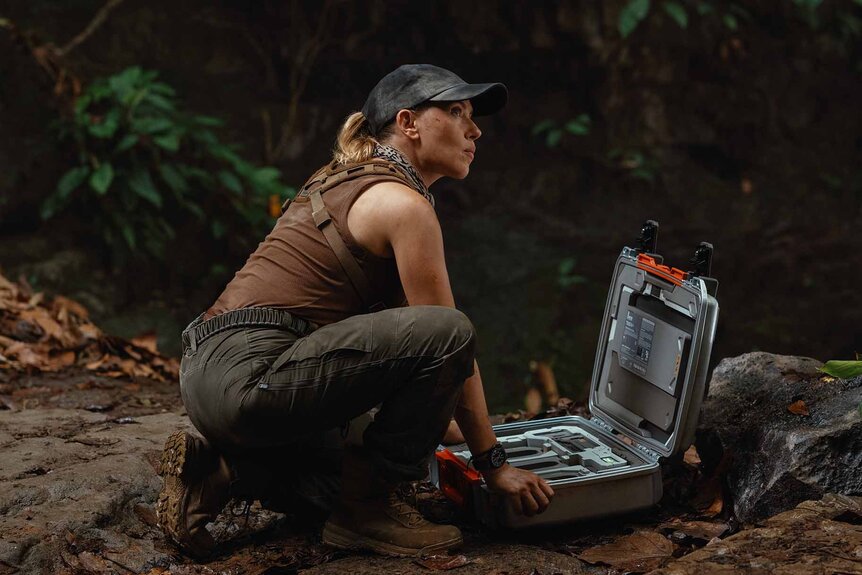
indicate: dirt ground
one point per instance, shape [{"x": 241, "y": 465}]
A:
[{"x": 78, "y": 484}]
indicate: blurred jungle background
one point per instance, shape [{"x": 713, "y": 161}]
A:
[{"x": 145, "y": 146}]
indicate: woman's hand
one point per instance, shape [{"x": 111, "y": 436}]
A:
[{"x": 527, "y": 492}]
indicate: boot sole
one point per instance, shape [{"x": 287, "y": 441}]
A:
[
  {"x": 342, "y": 538},
  {"x": 173, "y": 470}
]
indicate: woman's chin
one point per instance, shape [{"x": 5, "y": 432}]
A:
[{"x": 461, "y": 173}]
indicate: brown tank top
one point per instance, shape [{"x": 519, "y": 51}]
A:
[{"x": 295, "y": 269}]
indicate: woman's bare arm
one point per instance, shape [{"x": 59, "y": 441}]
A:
[{"x": 392, "y": 219}]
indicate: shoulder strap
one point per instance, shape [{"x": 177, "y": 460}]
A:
[{"x": 328, "y": 179}]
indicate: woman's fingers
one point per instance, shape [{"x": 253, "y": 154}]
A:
[
  {"x": 529, "y": 504},
  {"x": 527, "y": 492},
  {"x": 515, "y": 498},
  {"x": 542, "y": 500},
  {"x": 546, "y": 489}
]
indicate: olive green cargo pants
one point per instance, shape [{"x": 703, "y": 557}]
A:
[{"x": 263, "y": 393}]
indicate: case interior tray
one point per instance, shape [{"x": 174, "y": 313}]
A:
[{"x": 563, "y": 452}]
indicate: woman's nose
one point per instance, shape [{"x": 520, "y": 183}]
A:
[{"x": 473, "y": 132}]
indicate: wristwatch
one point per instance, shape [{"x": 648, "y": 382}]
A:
[{"x": 490, "y": 460}]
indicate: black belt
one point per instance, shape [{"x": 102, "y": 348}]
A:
[{"x": 199, "y": 330}]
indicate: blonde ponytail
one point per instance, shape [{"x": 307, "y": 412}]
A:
[{"x": 354, "y": 142}]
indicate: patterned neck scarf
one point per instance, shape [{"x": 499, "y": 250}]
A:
[{"x": 393, "y": 155}]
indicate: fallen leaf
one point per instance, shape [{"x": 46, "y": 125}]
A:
[
  {"x": 43, "y": 319},
  {"x": 94, "y": 365},
  {"x": 746, "y": 186},
  {"x": 132, "y": 352},
  {"x": 24, "y": 330},
  {"x": 25, "y": 354},
  {"x": 89, "y": 331},
  {"x": 716, "y": 507},
  {"x": 147, "y": 341},
  {"x": 798, "y": 408},
  {"x": 691, "y": 456},
  {"x": 128, "y": 366},
  {"x": 637, "y": 553},
  {"x": 63, "y": 359},
  {"x": 443, "y": 562},
  {"x": 61, "y": 302},
  {"x": 705, "y": 530}
]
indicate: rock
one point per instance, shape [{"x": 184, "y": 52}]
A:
[
  {"x": 72, "y": 487},
  {"x": 777, "y": 456},
  {"x": 815, "y": 538}
]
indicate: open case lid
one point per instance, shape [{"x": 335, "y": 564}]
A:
[{"x": 653, "y": 353}]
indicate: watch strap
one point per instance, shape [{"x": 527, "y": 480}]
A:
[{"x": 482, "y": 462}]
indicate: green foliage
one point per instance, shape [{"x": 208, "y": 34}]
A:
[
  {"x": 631, "y": 16},
  {"x": 842, "y": 369},
  {"x": 677, "y": 13},
  {"x": 808, "y": 11},
  {"x": 729, "y": 14},
  {"x": 730, "y": 21},
  {"x": 636, "y": 164},
  {"x": 554, "y": 131},
  {"x": 146, "y": 167},
  {"x": 580, "y": 126},
  {"x": 566, "y": 276}
]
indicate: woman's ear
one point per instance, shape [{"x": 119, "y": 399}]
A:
[{"x": 405, "y": 120}]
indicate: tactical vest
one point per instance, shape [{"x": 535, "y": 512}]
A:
[{"x": 324, "y": 180}]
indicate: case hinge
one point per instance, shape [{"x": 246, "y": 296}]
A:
[
  {"x": 654, "y": 456},
  {"x": 601, "y": 423}
]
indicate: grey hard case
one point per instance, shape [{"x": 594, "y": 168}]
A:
[{"x": 648, "y": 383}]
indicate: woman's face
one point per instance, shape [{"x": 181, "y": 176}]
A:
[{"x": 447, "y": 139}]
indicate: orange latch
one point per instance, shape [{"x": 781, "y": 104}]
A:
[
  {"x": 673, "y": 275},
  {"x": 456, "y": 479}
]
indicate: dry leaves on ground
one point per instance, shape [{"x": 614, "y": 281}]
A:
[
  {"x": 692, "y": 457},
  {"x": 636, "y": 553},
  {"x": 443, "y": 562},
  {"x": 703, "y": 530},
  {"x": 52, "y": 335},
  {"x": 798, "y": 408}
]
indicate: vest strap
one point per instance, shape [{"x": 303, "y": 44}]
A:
[{"x": 323, "y": 181}]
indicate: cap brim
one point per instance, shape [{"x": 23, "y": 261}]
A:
[{"x": 486, "y": 98}]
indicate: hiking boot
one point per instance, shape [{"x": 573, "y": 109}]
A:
[
  {"x": 373, "y": 515},
  {"x": 196, "y": 488}
]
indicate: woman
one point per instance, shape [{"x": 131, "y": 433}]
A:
[{"x": 313, "y": 331}]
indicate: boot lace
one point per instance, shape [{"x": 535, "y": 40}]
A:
[
  {"x": 403, "y": 501},
  {"x": 236, "y": 509}
]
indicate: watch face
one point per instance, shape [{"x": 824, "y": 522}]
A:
[{"x": 497, "y": 457}]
